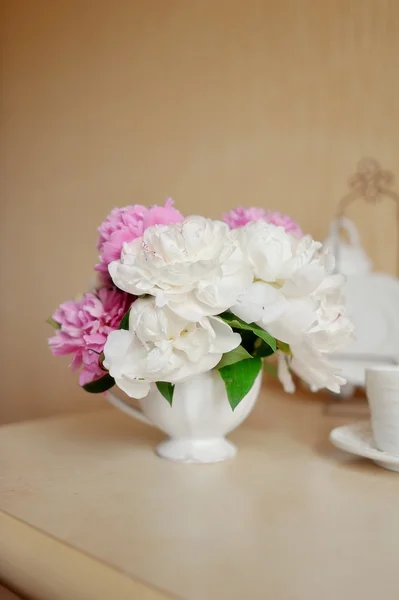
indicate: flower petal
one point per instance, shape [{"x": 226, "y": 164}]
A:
[
  {"x": 133, "y": 388},
  {"x": 225, "y": 338},
  {"x": 284, "y": 374},
  {"x": 262, "y": 304}
]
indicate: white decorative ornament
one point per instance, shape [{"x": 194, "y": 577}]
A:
[
  {"x": 161, "y": 346},
  {"x": 351, "y": 257},
  {"x": 372, "y": 301},
  {"x": 195, "y": 267}
]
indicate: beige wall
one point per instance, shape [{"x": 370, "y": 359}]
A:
[{"x": 213, "y": 102}]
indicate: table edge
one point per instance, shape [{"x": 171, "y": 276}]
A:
[{"x": 42, "y": 567}]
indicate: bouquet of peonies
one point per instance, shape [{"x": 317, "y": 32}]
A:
[{"x": 180, "y": 296}]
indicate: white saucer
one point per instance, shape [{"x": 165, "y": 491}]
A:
[{"x": 358, "y": 439}]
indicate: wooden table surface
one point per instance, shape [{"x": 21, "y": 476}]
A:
[{"x": 89, "y": 511}]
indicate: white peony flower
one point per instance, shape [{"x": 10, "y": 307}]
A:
[
  {"x": 330, "y": 331},
  {"x": 261, "y": 303},
  {"x": 320, "y": 316},
  {"x": 296, "y": 298},
  {"x": 312, "y": 366},
  {"x": 162, "y": 346},
  {"x": 195, "y": 267},
  {"x": 283, "y": 267}
]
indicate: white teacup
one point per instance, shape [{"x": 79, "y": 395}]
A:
[{"x": 382, "y": 386}]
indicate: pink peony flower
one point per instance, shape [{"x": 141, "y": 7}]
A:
[
  {"x": 240, "y": 216},
  {"x": 126, "y": 224},
  {"x": 85, "y": 325}
]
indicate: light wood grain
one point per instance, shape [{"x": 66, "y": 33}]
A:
[
  {"x": 290, "y": 518},
  {"x": 42, "y": 568},
  {"x": 265, "y": 102}
]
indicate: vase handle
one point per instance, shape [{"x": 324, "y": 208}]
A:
[{"x": 129, "y": 410}]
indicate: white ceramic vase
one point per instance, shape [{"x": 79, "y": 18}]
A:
[{"x": 197, "y": 421}]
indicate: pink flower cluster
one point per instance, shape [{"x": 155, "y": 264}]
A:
[
  {"x": 84, "y": 328},
  {"x": 126, "y": 224},
  {"x": 241, "y": 216},
  {"x": 86, "y": 323}
]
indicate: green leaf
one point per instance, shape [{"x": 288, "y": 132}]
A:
[
  {"x": 265, "y": 336},
  {"x": 261, "y": 349},
  {"x": 237, "y": 323},
  {"x": 100, "y": 385},
  {"x": 53, "y": 323},
  {"x": 167, "y": 389},
  {"x": 239, "y": 378},
  {"x": 124, "y": 324},
  {"x": 253, "y": 344},
  {"x": 284, "y": 347},
  {"x": 248, "y": 339},
  {"x": 232, "y": 357}
]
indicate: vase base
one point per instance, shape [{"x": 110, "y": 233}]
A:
[{"x": 196, "y": 451}]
